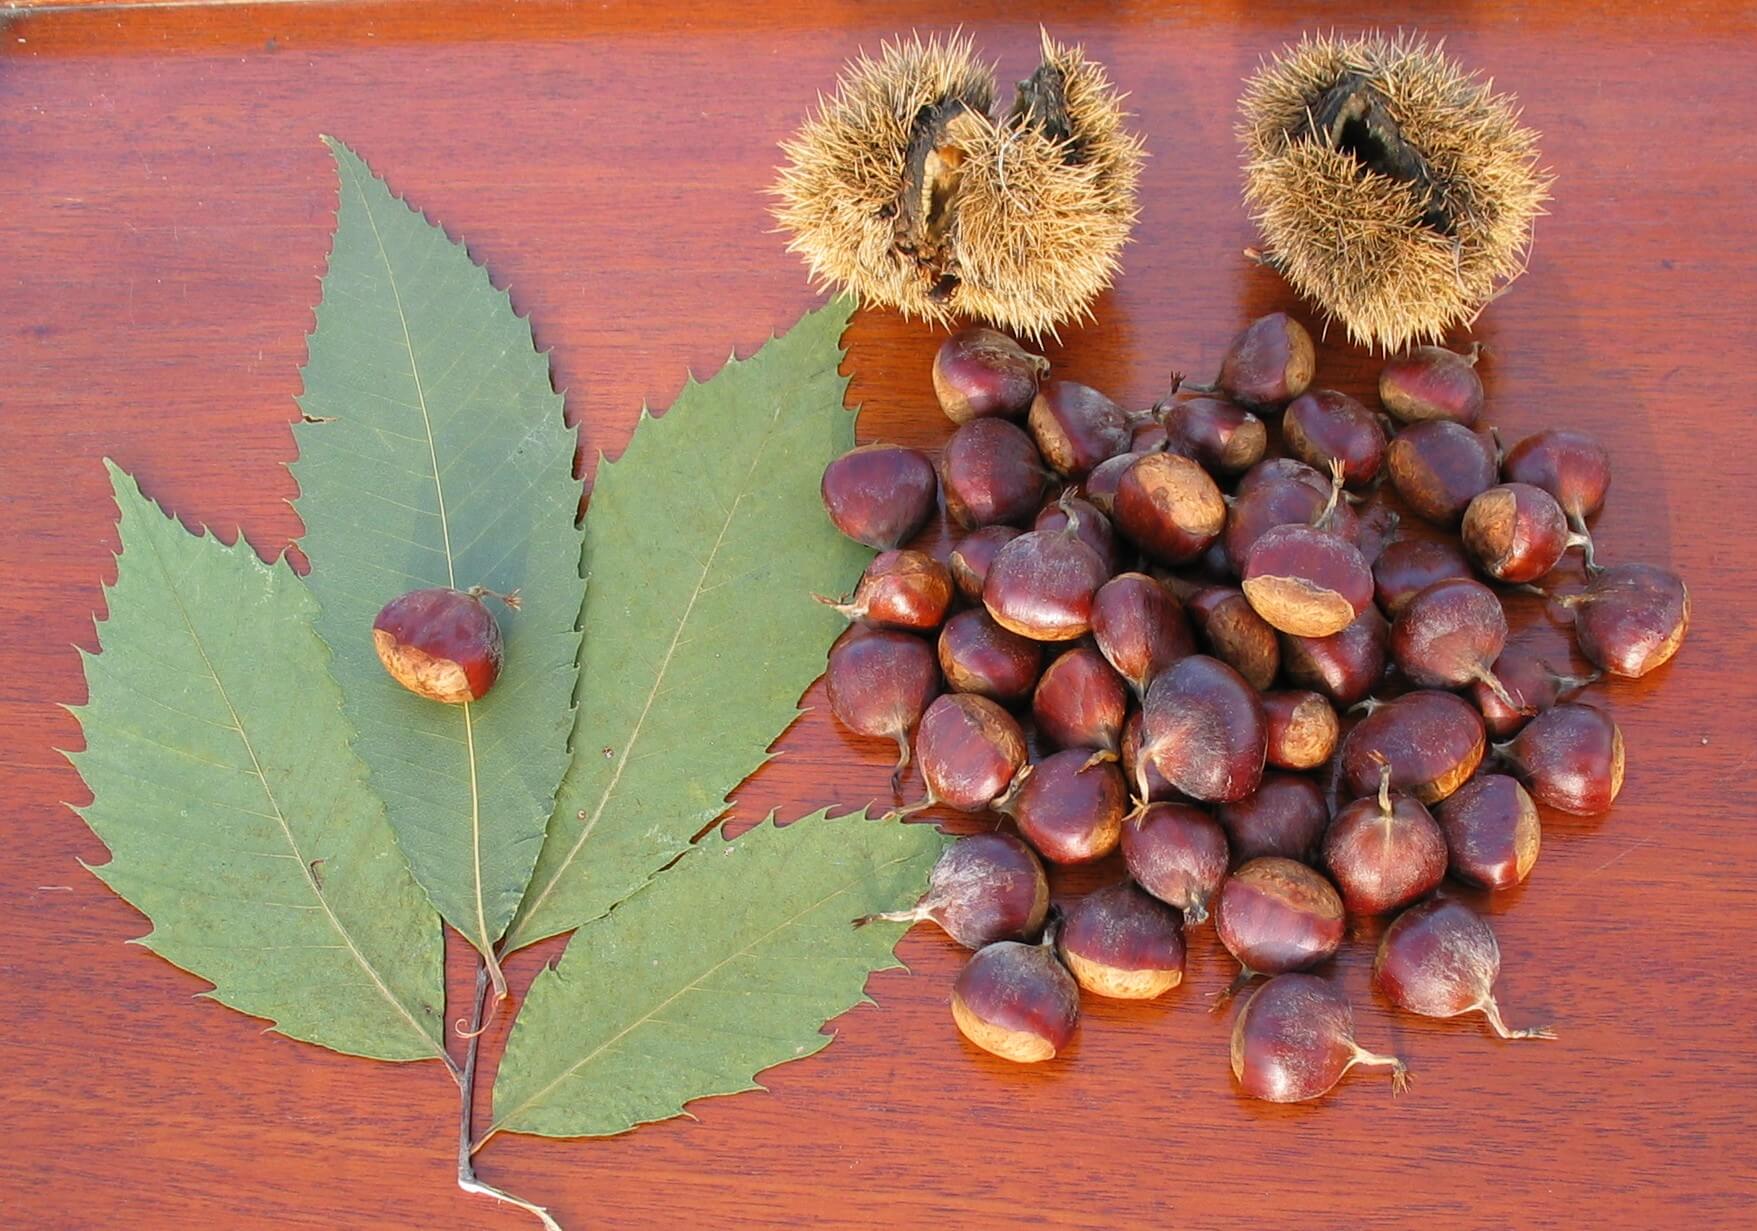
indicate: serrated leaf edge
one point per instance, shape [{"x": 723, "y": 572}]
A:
[
  {"x": 345, "y": 173},
  {"x": 240, "y": 549},
  {"x": 513, "y": 940},
  {"x": 499, "y": 1123}
]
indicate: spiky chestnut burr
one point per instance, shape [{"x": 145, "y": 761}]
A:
[
  {"x": 440, "y": 643},
  {"x": 910, "y": 188},
  {"x": 1393, "y": 188}
]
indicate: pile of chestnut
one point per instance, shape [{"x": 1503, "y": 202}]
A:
[{"x": 1148, "y": 637}]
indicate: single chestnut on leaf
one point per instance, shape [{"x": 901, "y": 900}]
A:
[{"x": 442, "y": 644}]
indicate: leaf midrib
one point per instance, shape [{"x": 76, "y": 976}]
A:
[
  {"x": 280, "y": 816},
  {"x": 485, "y": 941},
  {"x": 500, "y": 1121},
  {"x": 514, "y": 938}
]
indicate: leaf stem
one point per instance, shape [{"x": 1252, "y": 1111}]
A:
[{"x": 467, "y": 1179}]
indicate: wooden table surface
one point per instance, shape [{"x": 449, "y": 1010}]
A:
[{"x": 164, "y": 214}]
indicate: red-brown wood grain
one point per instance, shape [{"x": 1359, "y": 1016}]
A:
[{"x": 164, "y": 214}]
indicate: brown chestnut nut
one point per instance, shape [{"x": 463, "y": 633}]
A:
[
  {"x": 1450, "y": 635},
  {"x": 1631, "y": 618},
  {"x": 1303, "y": 728},
  {"x": 985, "y": 888},
  {"x": 1275, "y": 915},
  {"x": 1294, "y": 1040},
  {"x": 1492, "y": 831},
  {"x": 1041, "y": 585},
  {"x": 880, "y": 495},
  {"x": 991, "y": 474},
  {"x": 1223, "y": 436},
  {"x": 970, "y": 559},
  {"x": 1409, "y": 566},
  {"x": 1384, "y": 852},
  {"x": 1076, "y": 427},
  {"x": 1203, "y": 728},
  {"x": 1432, "y": 741},
  {"x": 1268, "y": 503},
  {"x": 1069, "y": 806},
  {"x": 1122, "y": 943},
  {"x": 1169, "y": 507},
  {"x": 1439, "y": 467},
  {"x": 441, "y": 644},
  {"x": 1268, "y": 364},
  {"x": 1569, "y": 757},
  {"x": 1571, "y": 466},
  {"x": 1285, "y": 816},
  {"x": 1017, "y": 1000},
  {"x": 1148, "y": 437},
  {"x": 1140, "y": 628},
  {"x": 1305, "y": 582},
  {"x": 1081, "y": 702},
  {"x": 1281, "y": 469},
  {"x": 1235, "y": 634},
  {"x": 1529, "y": 686},
  {"x": 907, "y": 590},
  {"x": 1346, "y": 666},
  {"x": 1439, "y": 959},
  {"x": 1099, "y": 487},
  {"x": 980, "y": 372},
  {"x": 1322, "y": 427},
  {"x": 1177, "y": 853},
  {"x": 1431, "y": 382},
  {"x": 1145, "y": 781},
  {"x": 1516, "y": 532},
  {"x": 979, "y": 656},
  {"x": 1376, "y": 528},
  {"x": 1091, "y": 526},
  {"x": 968, "y": 750},
  {"x": 880, "y": 683}
]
